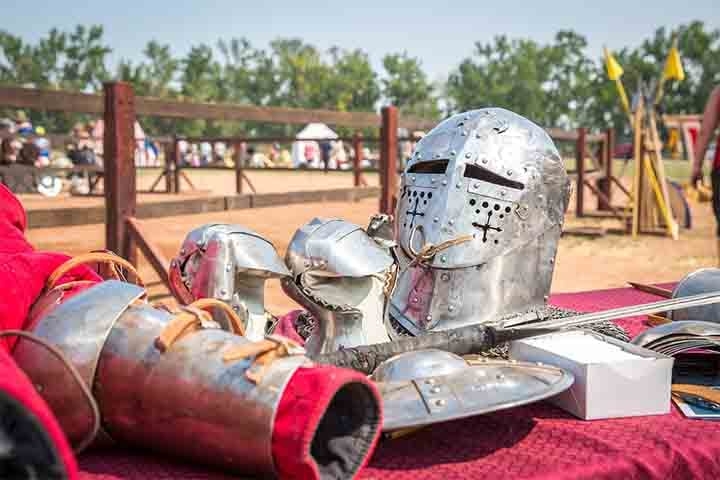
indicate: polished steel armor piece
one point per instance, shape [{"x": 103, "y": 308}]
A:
[
  {"x": 703, "y": 280},
  {"x": 680, "y": 336},
  {"x": 430, "y": 386},
  {"x": 230, "y": 263},
  {"x": 343, "y": 278},
  {"x": 488, "y": 190},
  {"x": 186, "y": 401}
]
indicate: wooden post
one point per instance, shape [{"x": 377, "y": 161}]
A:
[
  {"x": 357, "y": 159},
  {"x": 604, "y": 183},
  {"x": 119, "y": 147},
  {"x": 388, "y": 159},
  {"x": 238, "y": 168},
  {"x": 170, "y": 166},
  {"x": 177, "y": 164},
  {"x": 580, "y": 167}
]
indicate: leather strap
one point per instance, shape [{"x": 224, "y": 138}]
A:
[
  {"x": 190, "y": 319},
  {"x": 94, "y": 257},
  {"x": 265, "y": 352}
]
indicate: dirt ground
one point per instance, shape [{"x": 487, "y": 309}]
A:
[{"x": 582, "y": 263}]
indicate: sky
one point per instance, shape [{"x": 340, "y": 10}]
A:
[{"x": 440, "y": 33}]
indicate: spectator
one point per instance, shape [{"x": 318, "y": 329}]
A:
[
  {"x": 710, "y": 122},
  {"x": 43, "y": 144},
  {"x": 205, "y": 153},
  {"x": 9, "y": 150},
  {"x": 22, "y": 124}
]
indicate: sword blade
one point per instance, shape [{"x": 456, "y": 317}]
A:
[{"x": 622, "y": 312}]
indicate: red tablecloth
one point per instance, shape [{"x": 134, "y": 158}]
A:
[{"x": 534, "y": 442}]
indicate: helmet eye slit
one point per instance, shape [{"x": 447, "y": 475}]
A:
[
  {"x": 483, "y": 174},
  {"x": 433, "y": 166}
]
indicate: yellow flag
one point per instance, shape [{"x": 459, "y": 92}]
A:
[
  {"x": 614, "y": 70},
  {"x": 673, "y": 66}
]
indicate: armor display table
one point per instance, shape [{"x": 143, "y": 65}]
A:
[{"x": 538, "y": 441}]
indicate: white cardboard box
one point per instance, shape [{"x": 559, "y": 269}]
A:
[{"x": 604, "y": 388}]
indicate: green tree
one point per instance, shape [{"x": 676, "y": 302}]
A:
[{"x": 406, "y": 86}]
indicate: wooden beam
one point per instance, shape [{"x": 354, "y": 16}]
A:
[
  {"x": 357, "y": 159},
  {"x": 150, "y": 251},
  {"x": 119, "y": 148},
  {"x": 388, "y": 159},
  {"x": 53, "y": 100},
  {"x": 58, "y": 217},
  {"x": 59, "y": 100},
  {"x": 580, "y": 168}
]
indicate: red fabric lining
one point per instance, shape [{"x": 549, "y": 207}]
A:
[
  {"x": 14, "y": 383},
  {"x": 310, "y": 391}
]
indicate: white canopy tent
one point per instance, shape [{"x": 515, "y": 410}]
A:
[{"x": 306, "y": 150}]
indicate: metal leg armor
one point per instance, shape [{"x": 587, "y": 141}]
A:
[
  {"x": 178, "y": 383},
  {"x": 343, "y": 278},
  {"x": 229, "y": 263}
]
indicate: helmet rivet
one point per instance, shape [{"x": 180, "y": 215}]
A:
[
  {"x": 476, "y": 185},
  {"x": 356, "y": 317},
  {"x": 430, "y": 381},
  {"x": 412, "y": 178},
  {"x": 444, "y": 182},
  {"x": 468, "y": 155},
  {"x": 466, "y": 117},
  {"x": 436, "y": 219},
  {"x": 451, "y": 308},
  {"x": 435, "y": 389},
  {"x": 437, "y": 155},
  {"x": 445, "y": 277},
  {"x": 509, "y": 172},
  {"x": 478, "y": 135},
  {"x": 452, "y": 153},
  {"x": 463, "y": 133},
  {"x": 458, "y": 184},
  {"x": 443, "y": 258},
  {"x": 502, "y": 193},
  {"x": 228, "y": 267},
  {"x": 451, "y": 222},
  {"x": 428, "y": 318},
  {"x": 440, "y": 402},
  {"x": 433, "y": 180},
  {"x": 499, "y": 376},
  {"x": 223, "y": 292},
  {"x": 484, "y": 160}
]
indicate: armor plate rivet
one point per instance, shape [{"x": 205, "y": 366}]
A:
[
  {"x": 509, "y": 172},
  {"x": 445, "y": 277},
  {"x": 552, "y": 260},
  {"x": 499, "y": 376},
  {"x": 444, "y": 182},
  {"x": 433, "y": 180},
  {"x": 415, "y": 300},
  {"x": 451, "y": 308},
  {"x": 428, "y": 318},
  {"x": 502, "y": 193},
  {"x": 476, "y": 185},
  {"x": 436, "y": 219},
  {"x": 453, "y": 153},
  {"x": 223, "y": 292},
  {"x": 458, "y": 185},
  {"x": 412, "y": 178},
  {"x": 430, "y": 381},
  {"x": 451, "y": 222},
  {"x": 440, "y": 402},
  {"x": 435, "y": 389},
  {"x": 463, "y": 133},
  {"x": 443, "y": 258},
  {"x": 468, "y": 155},
  {"x": 545, "y": 297},
  {"x": 228, "y": 267},
  {"x": 484, "y": 160}
]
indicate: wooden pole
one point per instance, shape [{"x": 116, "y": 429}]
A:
[
  {"x": 388, "y": 159},
  {"x": 580, "y": 167},
  {"x": 605, "y": 182},
  {"x": 357, "y": 159},
  {"x": 177, "y": 164},
  {"x": 638, "y": 152},
  {"x": 238, "y": 168},
  {"x": 119, "y": 147}
]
